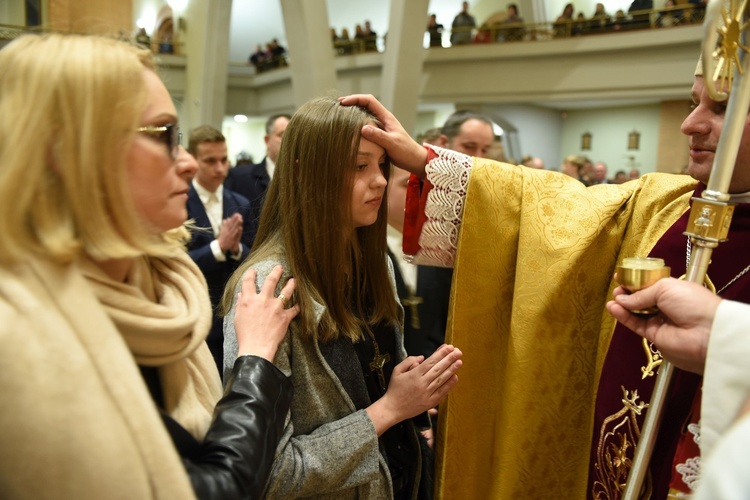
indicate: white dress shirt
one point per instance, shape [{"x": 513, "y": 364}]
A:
[
  {"x": 270, "y": 167},
  {"x": 213, "y": 203},
  {"x": 408, "y": 270}
]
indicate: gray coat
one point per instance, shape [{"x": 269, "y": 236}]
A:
[{"x": 329, "y": 448}]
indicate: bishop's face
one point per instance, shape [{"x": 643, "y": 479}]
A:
[{"x": 703, "y": 126}]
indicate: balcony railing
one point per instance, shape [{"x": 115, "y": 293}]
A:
[
  {"x": 517, "y": 32},
  {"x": 10, "y": 32},
  {"x": 356, "y": 45}
]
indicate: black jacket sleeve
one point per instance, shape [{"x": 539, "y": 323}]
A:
[{"x": 235, "y": 458}]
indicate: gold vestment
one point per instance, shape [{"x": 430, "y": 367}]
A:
[{"x": 536, "y": 255}]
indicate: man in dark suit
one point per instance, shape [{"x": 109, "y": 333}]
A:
[
  {"x": 251, "y": 181},
  {"x": 227, "y": 228}
]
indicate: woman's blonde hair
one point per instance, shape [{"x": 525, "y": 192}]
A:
[
  {"x": 69, "y": 109},
  {"x": 307, "y": 213}
]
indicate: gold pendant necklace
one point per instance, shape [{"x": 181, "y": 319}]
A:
[{"x": 379, "y": 360}]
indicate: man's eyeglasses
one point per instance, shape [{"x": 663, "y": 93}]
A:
[{"x": 168, "y": 134}]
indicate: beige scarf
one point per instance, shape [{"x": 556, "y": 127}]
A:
[
  {"x": 77, "y": 411},
  {"x": 163, "y": 312}
]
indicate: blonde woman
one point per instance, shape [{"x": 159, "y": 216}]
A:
[
  {"x": 108, "y": 387},
  {"x": 359, "y": 402}
]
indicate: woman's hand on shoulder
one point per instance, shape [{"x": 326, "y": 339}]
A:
[
  {"x": 261, "y": 319},
  {"x": 416, "y": 385}
]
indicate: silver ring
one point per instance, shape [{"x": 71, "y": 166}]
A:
[{"x": 283, "y": 299}]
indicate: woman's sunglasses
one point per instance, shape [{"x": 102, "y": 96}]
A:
[{"x": 168, "y": 134}]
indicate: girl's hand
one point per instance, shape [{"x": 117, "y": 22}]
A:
[{"x": 416, "y": 386}]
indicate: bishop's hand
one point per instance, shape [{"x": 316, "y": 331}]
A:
[{"x": 401, "y": 148}]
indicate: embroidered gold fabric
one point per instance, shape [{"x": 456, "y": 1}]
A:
[
  {"x": 617, "y": 440},
  {"x": 677, "y": 495},
  {"x": 653, "y": 359},
  {"x": 536, "y": 255}
]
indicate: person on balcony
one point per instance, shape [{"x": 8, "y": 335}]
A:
[
  {"x": 563, "y": 26},
  {"x": 371, "y": 38},
  {"x": 435, "y": 30},
  {"x": 640, "y": 11},
  {"x": 600, "y": 21},
  {"x": 669, "y": 16},
  {"x": 462, "y": 26},
  {"x": 345, "y": 43},
  {"x": 512, "y": 29}
]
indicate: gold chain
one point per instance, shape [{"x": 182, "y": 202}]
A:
[{"x": 687, "y": 264}]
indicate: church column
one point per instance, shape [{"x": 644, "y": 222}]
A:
[
  {"x": 310, "y": 48},
  {"x": 404, "y": 56},
  {"x": 204, "y": 30},
  {"x": 93, "y": 16},
  {"x": 13, "y": 13},
  {"x": 538, "y": 12}
]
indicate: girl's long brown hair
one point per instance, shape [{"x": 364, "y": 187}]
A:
[{"x": 307, "y": 213}]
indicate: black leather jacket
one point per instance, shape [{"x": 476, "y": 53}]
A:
[{"x": 235, "y": 458}]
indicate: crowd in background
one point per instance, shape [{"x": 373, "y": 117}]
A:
[
  {"x": 464, "y": 29},
  {"x": 512, "y": 27},
  {"x": 365, "y": 39},
  {"x": 592, "y": 173},
  {"x": 579, "y": 167},
  {"x": 273, "y": 56}
]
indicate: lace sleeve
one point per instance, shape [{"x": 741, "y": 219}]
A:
[{"x": 449, "y": 174}]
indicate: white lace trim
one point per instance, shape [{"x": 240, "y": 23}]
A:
[
  {"x": 695, "y": 430},
  {"x": 449, "y": 174},
  {"x": 691, "y": 469},
  {"x": 690, "y": 472}
]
